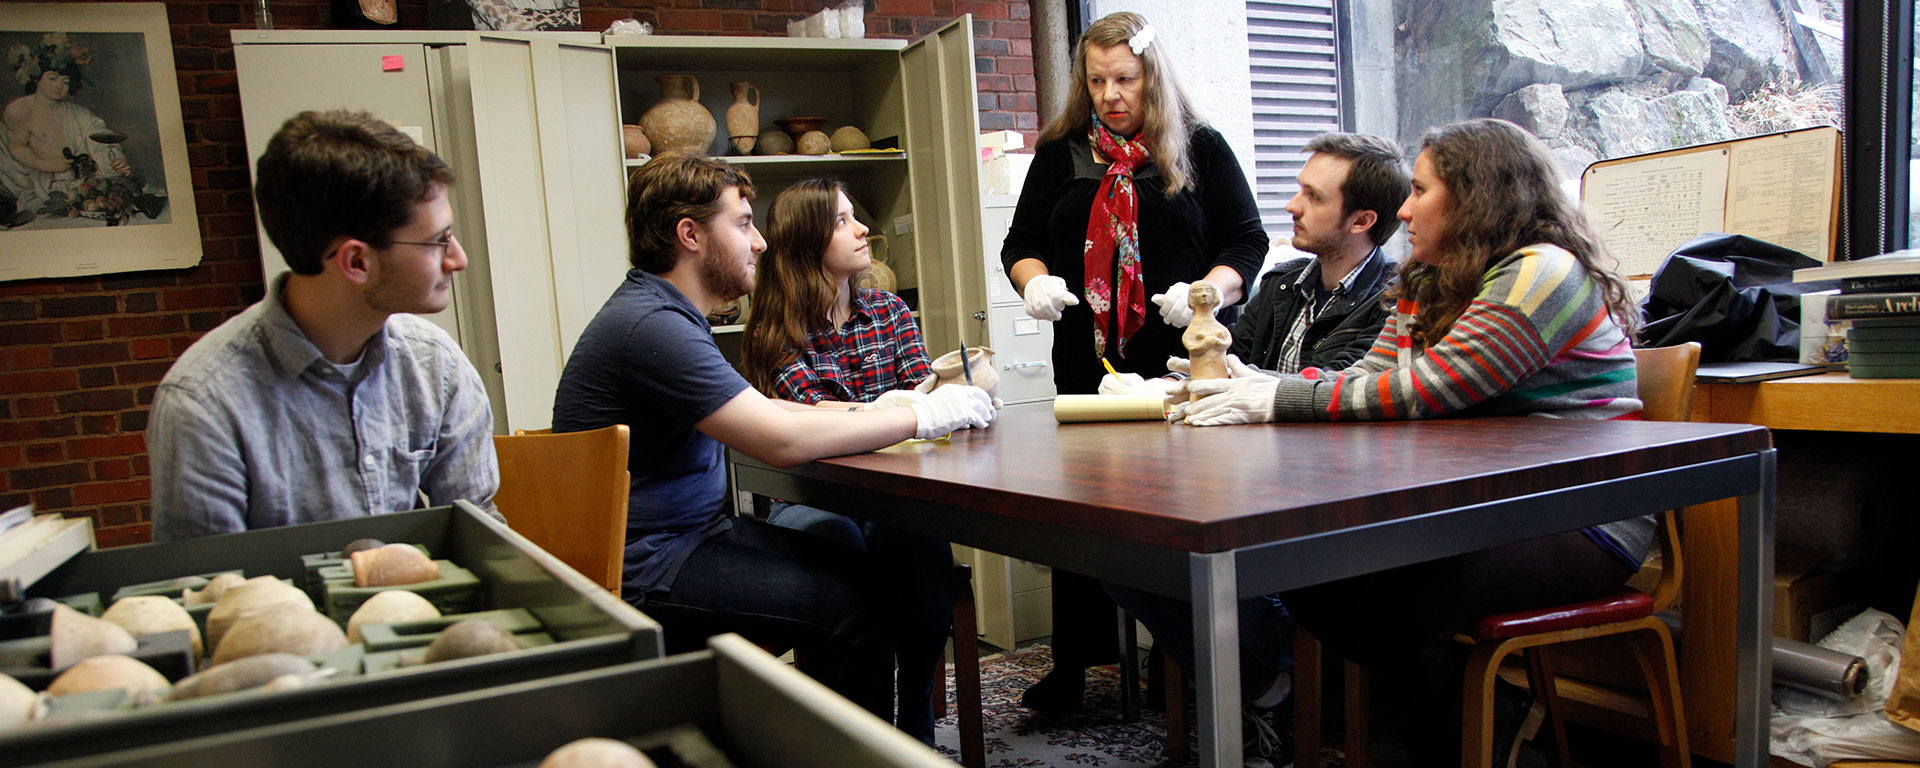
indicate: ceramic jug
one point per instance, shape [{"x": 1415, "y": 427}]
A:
[
  {"x": 743, "y": 118},
  {"x": 678, "y": 122}
]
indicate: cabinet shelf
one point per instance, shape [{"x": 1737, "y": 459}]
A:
[
  {"x": 759, "y": 162},
  {"x": 694, "y": 52}
]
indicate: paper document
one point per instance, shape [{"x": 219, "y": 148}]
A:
[
  {"x": 1781, "y": 190},
  {"x": 1643, "y": 210}
]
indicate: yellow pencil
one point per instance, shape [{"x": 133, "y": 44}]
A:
[{"x": 1116, "y": 374}]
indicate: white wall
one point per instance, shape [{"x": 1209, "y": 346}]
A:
[{"x": 1207, "y": 42}]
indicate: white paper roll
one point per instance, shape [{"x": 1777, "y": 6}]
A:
[{"x": 1068, "y": 409}]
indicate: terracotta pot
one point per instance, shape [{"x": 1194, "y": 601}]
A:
[
  {"x": 633, "y": 140},
  {"x": 814, "y": 143},
  {"x": 743, "y": 118},
  {"x": 678, "y": 122}
]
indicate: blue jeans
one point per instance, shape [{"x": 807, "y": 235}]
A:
[
  {"x": 783, "y": 590},
  {"x": 918, "y": 603},
  {"x": 1266, "y": 634}
]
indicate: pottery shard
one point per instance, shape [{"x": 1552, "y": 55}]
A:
[
  {"x": 283, "y": 628},
  {"x": 19, "y": 704},
  {"x": 214, "y": 589},
  {"x": 239, "y": 675},
  {"x": 469, "y": 638},
  {"x": 595, "y": 752},
  {"x": 258, "y": 594},
  {"x": 393, "y": 565},
  {"x": 774, "y": 143},
  {"x": 153, "y": 614},
  {"x": 77, "y": 636},
  {"x": 815, "y": 143},
  {"x": 388, "y": 607},
  {"x": 103, "y": 672}
]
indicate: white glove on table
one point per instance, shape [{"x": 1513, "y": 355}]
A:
[
  {"x": 1046, "y": 295},
  {"x": 1135, "y": 384},
  {"x": 947, "y": 409},
  {"x": 1173, "y": 305},
  {"x": 1217, "y": 402},
  {"x": 1235, "y": 368}
]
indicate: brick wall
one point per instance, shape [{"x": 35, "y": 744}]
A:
[{"x": 82, "y": 355}]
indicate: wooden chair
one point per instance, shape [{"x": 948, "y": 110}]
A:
[
  {"x": 1666, "y": 392},
  {"x": 567, "y": 493}
]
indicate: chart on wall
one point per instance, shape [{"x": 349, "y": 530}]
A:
[{"x": 93, "y": 168}]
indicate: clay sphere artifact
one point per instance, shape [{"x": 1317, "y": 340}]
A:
[
  {"x": 214, "y": 589},
  {"x": 19, "y": 704},
  {"x": 388, "y": 607},
  {"x": 596, "y": 752},
  {"x": 76, "y": 636},
  {"x": 283, "y": 628},
  {"x": 848, "y": 138},
  {"x": 102, "y": 672},
  {"x": 360, "y": 545},
  {"x": 392, "y": 565},
  {"x": 240, "y": 675},
  {"x": 258, "y": 594},
  {"x": 815, "y": 143},
  {"x": 774, "y": 143},
  {"x": 469, "y": 638},
  {"x": 153, "y": 614}
]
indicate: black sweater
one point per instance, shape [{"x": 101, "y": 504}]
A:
[{"x": 1213, "y": 222}]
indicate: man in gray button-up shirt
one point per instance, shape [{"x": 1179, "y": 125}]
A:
[{"x": 329, "y": 399}]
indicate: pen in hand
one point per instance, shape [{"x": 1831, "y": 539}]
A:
[{"x": 966, "y": 364}]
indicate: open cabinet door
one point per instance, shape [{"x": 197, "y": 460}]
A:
[
  {"x": 553, "y": 193},
  {"x": 943, "y": 128}
]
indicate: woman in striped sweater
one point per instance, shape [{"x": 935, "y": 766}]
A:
[{"x": 1505, "y": 308}]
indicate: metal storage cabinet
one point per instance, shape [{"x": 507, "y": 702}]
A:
[
  {"x": 527, "y": 120},
  {"x": 926, "y": 201},
  {"x": 760, "y": 711},
  {"x": 590, "y": 626}
]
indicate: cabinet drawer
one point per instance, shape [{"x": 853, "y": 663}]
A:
[{"x": 1023, "y": 351}]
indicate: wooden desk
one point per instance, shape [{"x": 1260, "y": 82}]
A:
[
  {"x": 1829, "y": 402},
  {"x": 1212, "y": 514}
]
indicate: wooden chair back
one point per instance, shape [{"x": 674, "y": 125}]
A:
[
  {"x": 1666, "y": 394},
  {"x": 567, "y": 493}
]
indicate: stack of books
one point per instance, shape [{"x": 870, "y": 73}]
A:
[{"x": 1879, "y": 304}]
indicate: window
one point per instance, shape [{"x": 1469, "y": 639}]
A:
[{"x": 1292, "y": 52}]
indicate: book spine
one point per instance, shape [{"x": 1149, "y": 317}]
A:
[
  {"x": 1863, "y": 305},
  {"x": 1884, "y": 284}
]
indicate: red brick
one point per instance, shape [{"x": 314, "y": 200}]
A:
[
  {"x": 49, "y": 476},
  {"x": 227, "y": 224},
  {"x": 31, "y": 358},
  {"x": 34, "y": 407},
  {"x": 99, "y": 423},
  {"x": 1014, "y": 65},
  {"x": 31, "y": 333},
  {"x": 11, "y": 456},
  {"x": 145, "y": 325},
  {"x": 113, "y": 469},
  {"x": 107, "y": 493},
  {"x": 53, "y": 498},
  {"x": 179, "y": 344},
  {"x": 903, "y": 7},
  {"x": 85, "y": 330},
  {"x": 984, "y": 9},
  {"x": 95, "y": 400},
  {"x": 78, "y": 306},
  {"x": 44, "y": 453},
  {"x": 38, "y": 381},
  {"x": 95, "y": 447},
  {"x": 123, "y": 535},
  {"x": 141, "y": 373},
  {"x": 1020, "y": 46},
  {"x": 681, "y": 21},
  {"x": 148, "y": 349},
  {"x": 119, "y": 514},
  {"x": 1017, "y": 10},
  {"x": 141, "y": 465},
  {"x": 200, "y": 298},
  {"x": 90, "y": 354}
]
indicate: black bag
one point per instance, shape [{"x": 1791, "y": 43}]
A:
[{"x": 1733, "y": 294}]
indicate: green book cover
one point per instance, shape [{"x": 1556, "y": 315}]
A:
[{"x": 1873, "y": 305}]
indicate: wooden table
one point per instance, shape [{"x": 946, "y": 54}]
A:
[
  {"x": 1829, "y": 402},
  {"x": 1212, "y": 514}
]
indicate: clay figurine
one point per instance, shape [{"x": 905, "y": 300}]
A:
[{"x": 1206, "y": 339}]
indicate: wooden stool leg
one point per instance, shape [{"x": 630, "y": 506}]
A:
[
  {"x": 1129, "y": 668},
  {"x": 1540, "y": 678},
  {"x": 1476, "y": 705},
  {"x": 1653, "y": 651},
  {"x": 1357, "y": 693},
  {"x": 1306, "y": 700},
  {"x": 1179, "y": 748},
  {"x": 966, "y": 665}
]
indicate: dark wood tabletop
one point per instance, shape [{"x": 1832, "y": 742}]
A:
[{"x": 1220, "y": 488}]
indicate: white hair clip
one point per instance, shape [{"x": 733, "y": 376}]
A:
[{"x": 1141, "y": 40}]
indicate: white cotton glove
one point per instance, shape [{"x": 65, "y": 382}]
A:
[
  {"x": 947, "y": 409},
  {"x": 1046, "y": 295},
  {"x": 1173, "y": 305},
  {"x": 1235, "y": 368},
  {"x": 1218, "y": 402},
  {"x": 1135, "y": 384}
]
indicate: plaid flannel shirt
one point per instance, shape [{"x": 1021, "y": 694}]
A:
[{"x": 878, "y": 349}]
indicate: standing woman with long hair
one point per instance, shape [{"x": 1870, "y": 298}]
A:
[
  {"x": 1507, "y": 307},
  {"x": 1130, "y": 197},
  {"x": 814, "y": 336}
]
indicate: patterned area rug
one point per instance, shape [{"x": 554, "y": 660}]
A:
[{"x": 1018, "y": 737}]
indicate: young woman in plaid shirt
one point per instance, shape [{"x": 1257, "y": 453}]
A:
[{"x": 815, "y": 336}]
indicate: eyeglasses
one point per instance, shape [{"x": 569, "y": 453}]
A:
[{"x": 443, "y": 243}]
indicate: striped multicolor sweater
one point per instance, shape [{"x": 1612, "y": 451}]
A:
[{"x": 1537, "y": 340}]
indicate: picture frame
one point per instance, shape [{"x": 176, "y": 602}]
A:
[{"x": 94, "y": 177}]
